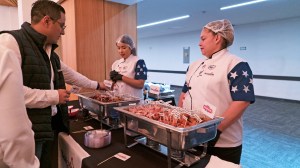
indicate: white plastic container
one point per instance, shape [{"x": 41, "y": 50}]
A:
[{"x": 97, "y": 138}]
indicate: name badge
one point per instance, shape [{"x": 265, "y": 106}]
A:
[
  {"x": 154, "y": 89},
  {"x": 209, "y": 109}
]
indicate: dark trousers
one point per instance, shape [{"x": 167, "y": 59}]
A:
[
  {"x": 229, "y": 154},
  {"x": 47, "y": 152},
  {"x": 43, "y": 151}
]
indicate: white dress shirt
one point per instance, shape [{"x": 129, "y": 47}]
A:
[{"x": 17, "y": 147}]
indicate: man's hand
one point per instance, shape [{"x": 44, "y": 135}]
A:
[{"x": 63, "y": 96}]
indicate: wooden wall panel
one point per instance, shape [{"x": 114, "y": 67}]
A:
[
  {"x": 89, "y": 23},
  {"x": 13, "y": 3},
  {"x": 119, "y": 19},
  {"x": 68, "y": 41},
  {"x": 93, "y": 26}
]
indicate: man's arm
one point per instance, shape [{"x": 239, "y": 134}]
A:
[
  {"x": 74, "y": 78},
  {"x": 16, "y": 137},
  {"x": 37, "y": 98}
]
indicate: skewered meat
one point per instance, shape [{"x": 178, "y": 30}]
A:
[
  {"x": 174, "y": 116},
  {"x": 107, "y": 98}
]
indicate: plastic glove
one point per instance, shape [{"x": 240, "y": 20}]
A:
[
  {"x": 113, "y": 74},
  {"x": 213, "y": 142},
  {"x": 118, "y": 77}
]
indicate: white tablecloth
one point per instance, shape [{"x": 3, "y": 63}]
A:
[
  {"x": 215, "y": 162},
  {"x": 70, "y": 153}
]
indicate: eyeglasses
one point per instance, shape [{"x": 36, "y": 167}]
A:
[{"x": 62, "y": 25}]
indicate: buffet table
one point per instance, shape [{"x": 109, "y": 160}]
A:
[
  {"x": 73, "y": 153},
  {"x": 70, "y": 153}
]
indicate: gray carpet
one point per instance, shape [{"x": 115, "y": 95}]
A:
[{"x": 271, "y": 133}]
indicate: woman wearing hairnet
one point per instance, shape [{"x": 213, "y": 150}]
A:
[
  {"x": 129, "y": 73},
  {"x": 220, "y": 81}
]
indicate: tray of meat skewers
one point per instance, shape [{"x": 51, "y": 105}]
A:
[
  {"x": 107, "y": 97},
  {"x": 102, "y": 103},
  {"x": 96, "y": 100},
  {"x": 158, "y": 120}
]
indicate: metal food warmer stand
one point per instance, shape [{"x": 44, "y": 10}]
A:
[
  {"x": 104, "y": 110},
  {"x": 171, "y": 141}
]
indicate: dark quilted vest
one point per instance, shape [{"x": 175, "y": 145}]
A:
[{"x": 36, "y": 71}]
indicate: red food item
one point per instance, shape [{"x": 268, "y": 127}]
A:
[
  {"x": 106, "y": 98},
  {"x": 165, "y": 115},
  {"x": 73, "y": 112}
]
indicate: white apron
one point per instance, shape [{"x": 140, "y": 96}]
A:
[
  {"x": 208, "y": 82},
  {"x": 127, "y": 68}
]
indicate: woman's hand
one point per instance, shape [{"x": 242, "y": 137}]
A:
[{"x": 115, "y": 76}]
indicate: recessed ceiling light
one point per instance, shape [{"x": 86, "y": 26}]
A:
[
  {"x": 241, "y": 4},
  {"x": 163, "y": 21}
]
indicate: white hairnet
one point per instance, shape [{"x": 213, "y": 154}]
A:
[
  {"x": 127, "y": 40},
  {"x": 224, "y": 28}
]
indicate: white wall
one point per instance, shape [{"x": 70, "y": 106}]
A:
[
  {"x": 166, "y": 53},
  {"x": 12, "y": 18},
  {"x": 24, "y": 9},
  {"x": 272, "y": 48},
  {"x": 8, "y": 18}
]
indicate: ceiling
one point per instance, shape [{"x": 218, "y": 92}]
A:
[{"x": 203, "y": 11}]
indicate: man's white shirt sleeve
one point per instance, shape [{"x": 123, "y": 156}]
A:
[
  {"x": 74, "y": 78},
  {"x": 17, "y": 147}
]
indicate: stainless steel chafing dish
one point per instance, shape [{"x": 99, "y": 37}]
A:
[
  {"x": 168, "y": 136},
  {"x": 104, "y": 110},
  {"x": 161, "y": 95}
]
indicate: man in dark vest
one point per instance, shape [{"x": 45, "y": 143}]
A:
[{"x": 44, "y": 75}]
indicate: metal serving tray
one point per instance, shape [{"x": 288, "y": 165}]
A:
[
  {"x": 104, "y": 110},
  {"x": 169, "y": 93},
  {"x": 180, "y": 138}
]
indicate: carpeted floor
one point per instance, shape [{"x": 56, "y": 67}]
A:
[{"x": 271, "y": 133}]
